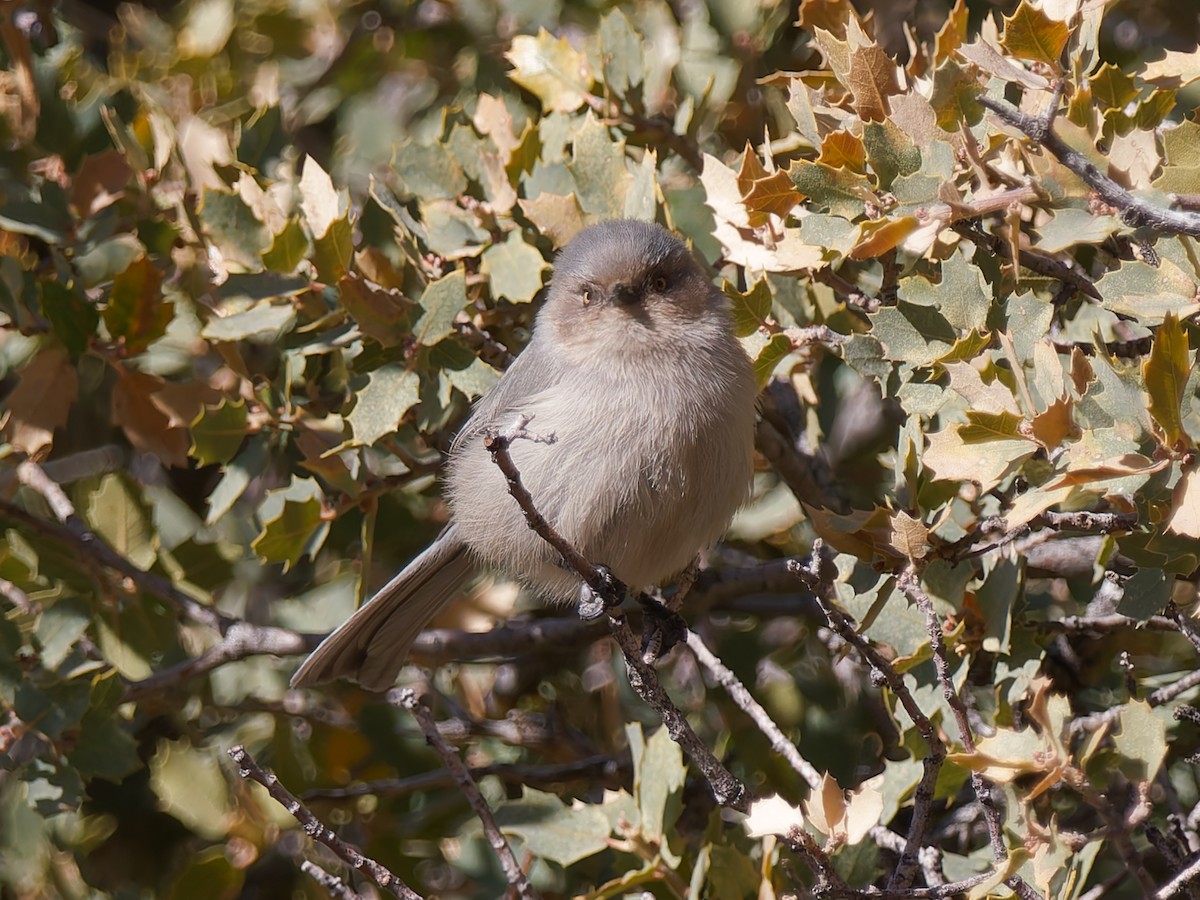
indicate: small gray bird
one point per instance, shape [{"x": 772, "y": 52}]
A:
[{"x": 634, "y": 368}]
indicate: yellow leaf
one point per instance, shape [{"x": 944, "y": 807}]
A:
[
  {"x": 1030, "y": 34},
  {"x": 878, "y": 237},
  {"x": 826, "y": 810},
  {"x": 1184, "y": 517},
  {"x": 318, "y": 199},
  {"x": 550, "y": 69}
]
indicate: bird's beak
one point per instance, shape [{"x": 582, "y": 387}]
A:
[{"x": 624, "y": 294}]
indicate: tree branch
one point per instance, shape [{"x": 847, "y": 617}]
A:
[
  {"x": 407, "y": 698},
  {"x": 1134, "y": 210},
  {"x": 318, "y": 830}
]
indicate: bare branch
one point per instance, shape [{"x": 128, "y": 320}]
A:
[
  {"x": 814, "y": 576},
  {"x": 407, "y": 698},
  {"x": 318, "y": 830},
  {"x": 336, "y": 887},
  {"x": 1134, "y": 210},
  {"x": 746, "y": 702},
  {"x": 594, "y": 770}
]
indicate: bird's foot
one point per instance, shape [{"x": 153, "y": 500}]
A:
[
  {"x": 662, "y": 629},
  {"x": 592, "y": 603}
]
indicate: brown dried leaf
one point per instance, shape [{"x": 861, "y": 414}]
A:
[
  {"x": 46, "y": 389},
  {"x": 993, "y": 62},
  {"x": 879, "y": 236},
  {"x": 952, "y": 34},
  {"x": 148, "y": 428},
  {"x": 100, "y": 182},
  {"x": 773, "y": 195},
  {"x": 843, "y": 150},
  {"x": 872, "y": 80},
  {"x": 828, "y": 15},
  {"x": 380, "y": 314},
  {"x": 910, "y": 537},
  {"x": 1055, "y": 423},
  {"x": 557, "y": 216}
]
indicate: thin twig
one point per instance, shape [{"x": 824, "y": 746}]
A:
[
  {"x": 745, "y": 701},
  {"x": 1134, "y": 210},
  {"x": 517, "y": 879},
  {"x": 728, "y": 790},
  {"x": 318, "y": 830},
  {"x": 594, "y": 770},
  {"x": 334, "y": 885},
  {"x": 75, "y": 532},
  {"x": 909, "y": 584},
  {"x": 241, "y": 640},
  {"x": 815, "y": 578},
  {"x": 1035, "y": 261}
]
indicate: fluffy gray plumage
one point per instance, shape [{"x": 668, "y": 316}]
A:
[{"x": 634, "y": 368}]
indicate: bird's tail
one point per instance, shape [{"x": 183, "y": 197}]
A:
[{"x": 371, "y": 646}]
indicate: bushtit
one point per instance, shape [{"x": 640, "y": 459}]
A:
[{"x": 634, "y": 368}]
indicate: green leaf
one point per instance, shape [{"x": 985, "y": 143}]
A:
[
  {"x": 598, "y": 166},
  {"x": 428, "y": 171},
  {"x": 1070, "y": 227},
  {"x": 218, "y": 432},
  {"x": 658, "y": 781},
  {"x": 334, "y": 250},
  {"x": 961, "y": 296},
  {"x": 621, "y": 51},
  {"x": 233, "y": 228},
  {"x": 997, "y": 598},
  {"x": 774, "y": 350},
  {"x": 913, "y": 333},
  {"x": 103, "y": 748},
  {"x": 1141, "y": 742},
  {"x": 1166, "y": 373},
  {"x": 550, "y": 69},
  {"x": 1147, "y": 293},
  {"x": 389, "y": 394},
  {"x": 441, "y": 303},
  {"x": 552, "y": 830},
  {"x": 137, "y": 314},
  {"x": 288, "y": 248},
  {"x": 117, "y": 514},
  {"x": 73, "y": 318},
  {"x": 264, "y": 323},
  {"x": 1145, "y": 594},
  {"x": 513, "y": 268},
  {"x": 294, "y": 524},
  {"x": 59, "y": 628},
  {"x": 249, "y": 464},
  {"x": 190, "y": 786},
  {"x": 838, "y": 191},
  {"x": 52, "y": 709},
  {"x": 37, "y": 220},
  {"x": 107, "y": 259},
  {"x": 751, "y": 309}
]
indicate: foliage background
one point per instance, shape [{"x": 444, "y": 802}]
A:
[{"x": 243, "y": 370}]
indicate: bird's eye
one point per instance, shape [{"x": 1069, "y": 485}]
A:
[
  {"x": 659, "y": 284},
  {"x": 587, "y": 296}
]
